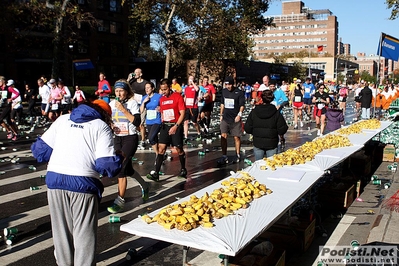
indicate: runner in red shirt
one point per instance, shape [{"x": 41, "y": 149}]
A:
[
  {"x": 172, "y": 110},
  {"x": 191, "y": 101},
  {"x": 209, "y": 98},
  {"x": 104, "y": 89}
]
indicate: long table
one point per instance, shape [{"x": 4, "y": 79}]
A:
[{"x": 232, "y": 233}]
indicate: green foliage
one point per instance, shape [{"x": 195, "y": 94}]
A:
[
  {"x": 298, "y": 70},
  {"x": 393, "y": 5},
  {"x": 208, "y": 30},
  {"x": 364, "y": 75}
]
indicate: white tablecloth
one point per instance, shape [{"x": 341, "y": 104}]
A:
[{"x": 233, "y": 233}]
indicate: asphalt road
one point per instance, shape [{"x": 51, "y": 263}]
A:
[{"x": 28, "y": 211}]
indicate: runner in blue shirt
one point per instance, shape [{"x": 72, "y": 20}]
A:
[
  {"x": 309, "y": 90},
  {"x": 150, "y": 102}
]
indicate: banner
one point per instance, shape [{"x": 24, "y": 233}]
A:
[
  {"x": 320, "y": 48},
  {"x": 83, "y": 64},
  {"x": 388, "y": 47}
]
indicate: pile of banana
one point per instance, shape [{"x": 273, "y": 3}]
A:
[
  {"x": 358, "y": 127},
  {"x": 235, "y": 194},
  {"x": 306, "y": 152}
]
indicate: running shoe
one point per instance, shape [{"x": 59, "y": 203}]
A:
[
  {"x": 183, "y": 173},
  {"x": 115, "y": 208},
  {"x": 295, "y": 126},
  {"x": 301, "y": 123},
  {"x": 15, "y": 137},
  {"x": 145, "y": 193},
  {"x": 238, "y": 158},
  {"x": 153, "y": 176},
  {"x": 10, "y": 135},
  {"x": 198, "y": 137}
]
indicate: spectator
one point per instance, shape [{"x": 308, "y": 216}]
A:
[
  {"x": 365, "y": 96},
  {"x": 335, "y": 116},
  {"x": 266, "y": 124},
  {"x": 78, "y": 148}
]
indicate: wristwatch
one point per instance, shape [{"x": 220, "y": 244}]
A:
[{"x": 177, "y": 125}]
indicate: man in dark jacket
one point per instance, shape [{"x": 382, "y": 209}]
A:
[
  {"x": 265, "y": 123},
  {"x": 365, "y": 96}
]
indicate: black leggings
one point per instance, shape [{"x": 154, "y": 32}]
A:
[{"x": 128, "y": 145}]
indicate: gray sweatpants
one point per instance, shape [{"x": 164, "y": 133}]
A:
[{"x": 74, "y": 218}]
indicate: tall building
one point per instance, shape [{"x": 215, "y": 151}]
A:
[{"x": 298, "y": 28}]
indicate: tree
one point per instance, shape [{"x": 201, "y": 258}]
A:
[
  {"x": 393, "y": 5},
  {"x": 56, "y": 23},
  {"x": 192, "y": 29},
  {"x": 364, "y": 75},
  {"x": 298, "y": 70}
]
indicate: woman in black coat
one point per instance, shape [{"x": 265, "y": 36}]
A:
[
  {"x": 365, "y": 96},
  {"x": 265, "y": 123}
]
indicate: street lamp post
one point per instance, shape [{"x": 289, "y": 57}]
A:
[{"x": 73, "y": 69}]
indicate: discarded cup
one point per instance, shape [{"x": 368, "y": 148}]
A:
[
  {"x": 201, "y": 153},
  {"x": 2, "y": 172},
  {"x": 114, "y": 219},
  {"x": 248, "y": 161},
  {"x": 374, "y": 177},
  {"x": 355, "y": 244},
  {"x": 11, "y": 239},
  {"x": 134, "y": 159},
  {"x": 387, "y": 185},
  {"x": 10, "y": 231},
  {"x": 42, "y": 176},
  {"x": 141, "y": 162},
  {"x": 376, "y": 182},
  {"x": 31, "y": 167},
  {"x": 34, "y": 188},
  {"x": 3, "y": 148}
]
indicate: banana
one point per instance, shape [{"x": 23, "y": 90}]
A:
[
  {"x": 240, "y": 200},
  {"x": 207, "y": 224},
  {"x": 175, "y": 212},
  {"x": 146, "y": 218},
  {"x": 169, "y": 225},
  {"x": 200, "y": 212}
]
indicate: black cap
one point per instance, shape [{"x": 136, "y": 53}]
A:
[{"x": 229, "y": 80}]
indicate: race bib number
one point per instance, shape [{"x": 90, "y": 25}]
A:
[
  {"x": 54, "y": 106},
  {"x": 320, "y": 105},
  {"x": 151, "y": 114},
  {"x": 307, "y": 89},
  {"x": 168, "y": 115},
  {"x": 4, "y": 94},
  {"x": 121, "y": 128},
  {"x": 229, "y": 103},
  {"x": 189, "y": 101},
  {"x": 340, "y": 98},
  {"x": 297, "y": 99}
]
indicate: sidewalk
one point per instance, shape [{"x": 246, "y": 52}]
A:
[{"x": 365, "y": 220}]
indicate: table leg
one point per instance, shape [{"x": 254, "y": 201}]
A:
[
  {"x": 226, "y": 260},
  {"x": 185, "y": 250}
]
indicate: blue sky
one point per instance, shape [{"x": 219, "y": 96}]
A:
[{"x": 360, "y": 21}]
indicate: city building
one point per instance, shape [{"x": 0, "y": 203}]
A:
[
  {"x": 312, "y": 34},
  {"x": 369, "y": 63}
]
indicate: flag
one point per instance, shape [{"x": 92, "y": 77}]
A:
[
  {"x": 388, "y": 47},
  {"x": 320, "y": 48}
]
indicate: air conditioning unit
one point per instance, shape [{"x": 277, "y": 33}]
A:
[
  {"x": 82, "y": 51},
  {"x": 101, "y": 29}
]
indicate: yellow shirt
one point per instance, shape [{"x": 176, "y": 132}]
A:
[{"x": 176, "y": 87}]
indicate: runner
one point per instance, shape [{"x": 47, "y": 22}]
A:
[
  {"x": 104, "y": 89},
  {"x": 309, "y": 90},
  {"x": 321, "y": 99},
  {"x": 44, "y": 94},
  {"x": 125, "y": 118},
  {"x": 297, "y": 104},
  {"x": 231, "y": 107},
  {"x": 172, "y": 113},
  {"x": 209, "y": 98},
  {"x": 8, "y": 95},
  {"x": 191, "y": 101},
  {"x": 150, "y": 105}
]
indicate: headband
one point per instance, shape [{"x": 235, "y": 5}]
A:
[{"x": 120, "y": 84}]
